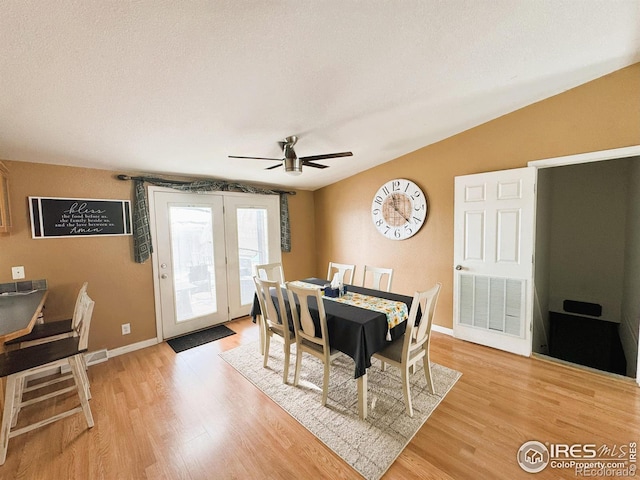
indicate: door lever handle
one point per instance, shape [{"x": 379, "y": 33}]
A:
[{"x": 458, "y": 267}]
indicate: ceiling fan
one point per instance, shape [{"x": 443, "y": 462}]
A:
[{"x": 292, "y": 163}]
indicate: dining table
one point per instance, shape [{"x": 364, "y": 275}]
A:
[{"x": 353, "y": 330}]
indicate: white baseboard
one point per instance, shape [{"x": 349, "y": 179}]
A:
[
  {"x": 99, "y": 356},
  {"x": 439, "y": 329},
  {"x": 133, "y": 347}
]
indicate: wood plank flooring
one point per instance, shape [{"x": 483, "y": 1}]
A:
[{"x": 191, "y": 416}]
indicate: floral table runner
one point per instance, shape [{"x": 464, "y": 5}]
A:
[{"x": 396, "y": 312}]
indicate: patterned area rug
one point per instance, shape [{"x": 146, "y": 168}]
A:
[{"x": 370, "y": 446}]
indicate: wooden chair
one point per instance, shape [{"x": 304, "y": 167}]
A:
[
  {"x": 377, "y": 273},
  {"x": 346, "y": 271},
  {"x": 17, "y": 365},
  {"x": 305, "y": 330},
  {"x": 49, "y": 331},
  {"x": 413, "y": 346},
  {"x": 270, "y": 271},
  {"x": 274, "y": 320}
]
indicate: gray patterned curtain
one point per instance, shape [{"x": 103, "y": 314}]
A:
[{"x": 142, "y": 245}]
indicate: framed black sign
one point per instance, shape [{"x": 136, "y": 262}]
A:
[{"x": 78, "y": 217}]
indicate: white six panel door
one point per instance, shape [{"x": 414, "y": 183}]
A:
[{"x": 493, "y": 258}]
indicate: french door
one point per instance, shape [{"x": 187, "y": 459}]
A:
[
  {"x": 493, "y": 258},
  {"x": 205, "y": 248}
]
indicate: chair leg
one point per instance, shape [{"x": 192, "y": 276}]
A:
[
  {"x": 82, "y": 393},
  {"x": 267, "y": 344},
  {"x": 261, "y": 332},
  {"x": 287, "y": 357},
  {"x": 85, "y": 375},
  {"x": 7, "y": 414},
  {"x": 325, "y": 382},
  {"x": 427, "y": 371},
  {"x": 18, "y": 392},
  {"x": 406, "y": 390},
  {"x": 296, "y": 377}
]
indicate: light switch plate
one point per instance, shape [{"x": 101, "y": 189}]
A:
[{"x": 17, "y": 273}]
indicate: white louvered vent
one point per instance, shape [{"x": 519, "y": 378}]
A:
[{"x": 492, "y": 303}]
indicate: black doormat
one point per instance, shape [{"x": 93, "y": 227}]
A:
[{"x": 180, "y": 344}]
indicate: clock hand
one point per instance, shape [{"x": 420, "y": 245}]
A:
[{"x": 394, "y": 198}]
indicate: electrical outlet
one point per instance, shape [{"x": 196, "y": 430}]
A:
[
  {"x": 17, "y": 273},
  {"x": 126, "y": 328}
]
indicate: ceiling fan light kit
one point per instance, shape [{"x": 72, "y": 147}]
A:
[
  {"x": 292, "y": 163},
  {"x": 293, "y": 166}
]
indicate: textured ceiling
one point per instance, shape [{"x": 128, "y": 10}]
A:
[{"x": 167, "y": 86}]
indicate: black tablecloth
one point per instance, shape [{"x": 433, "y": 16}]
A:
[{"x": 355, "y": 331}]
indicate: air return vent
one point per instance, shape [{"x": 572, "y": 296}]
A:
[{"x": 492, "y": 303}]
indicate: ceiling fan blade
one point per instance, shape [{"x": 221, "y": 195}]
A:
[
  {"x": 275, "y": 166},
  {"x": 327, "y": 155},
  {"x": 257, "y": 158},
  {"x": 307, "y": 163}
]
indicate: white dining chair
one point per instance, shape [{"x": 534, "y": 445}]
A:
[
  {"x": 345, "y": 270},
  {"x": 270, "y": 271},
  {"x": 18, "y": 365},
  {"x": 274, "y": 321},
  {"x": 406, "y": 351},
  {"x": 308, "y": 339},
  {"x": 377, "y": 274}
]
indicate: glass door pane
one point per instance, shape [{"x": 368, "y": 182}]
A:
[
  {"x": 192, "y": 257},
  {"x": 252, "y": 226},
  {"x": 253, "y": 247}
]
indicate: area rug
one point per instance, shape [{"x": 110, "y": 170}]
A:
[
  {"x": 370, "y": 446},
  {"x": 185, "y": 342}
]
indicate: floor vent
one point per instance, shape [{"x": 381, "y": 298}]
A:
[
  {"x": 98, "y": 356},
  {"x": 91, "y": 358}
]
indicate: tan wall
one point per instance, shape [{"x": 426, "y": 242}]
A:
[
  {"x": 599, "y": 115},
  {"x": 122, "y": 289},
  {"x": 301, "y": 261}
]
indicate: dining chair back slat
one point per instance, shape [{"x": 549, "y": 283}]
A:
[
  {"x": 377, "y": 274},
  {"x": 270, "y": 271},
  {"x": 346, "y": 271}
]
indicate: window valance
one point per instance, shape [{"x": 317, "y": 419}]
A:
[{"x": 142, "y": 245}]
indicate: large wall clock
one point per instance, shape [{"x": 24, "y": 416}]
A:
[{"x": 399, "y": 209}]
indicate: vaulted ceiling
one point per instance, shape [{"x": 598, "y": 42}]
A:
[{"x": 175, "y": 87}]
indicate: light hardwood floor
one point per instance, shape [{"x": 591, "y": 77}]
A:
[{"x": 191, "y": 416}]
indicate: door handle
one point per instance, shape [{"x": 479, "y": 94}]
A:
[
  {"x": 164, "y": 275},
  {"x": 458, "y": 267}
]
